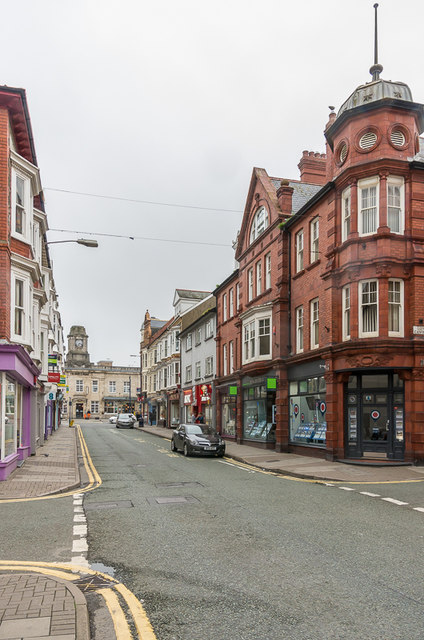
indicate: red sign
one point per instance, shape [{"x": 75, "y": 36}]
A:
[
  {"x": 188, "y": 396},
  {"x": 53, "y": 377},
  {"x": 205, "y": 392}
]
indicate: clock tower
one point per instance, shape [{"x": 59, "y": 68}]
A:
[{"x": 78, "y": 347}]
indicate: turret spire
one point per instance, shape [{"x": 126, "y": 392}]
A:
[{"x": 376, "y": 68}]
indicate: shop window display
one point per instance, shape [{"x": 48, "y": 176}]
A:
[
  {"x": 10, "y": 419},
  {"x": 258, "y": 403},
  {"x": 228, "y": 419},
  {"x": 307, "y": 408}
]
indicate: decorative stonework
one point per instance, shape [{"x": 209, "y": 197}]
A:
[{"x": 358, "y": 362}]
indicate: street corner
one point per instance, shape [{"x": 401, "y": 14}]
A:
[{"x": 68, "y": 600}]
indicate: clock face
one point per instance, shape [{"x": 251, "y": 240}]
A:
[{"x": 78, "y": 343}]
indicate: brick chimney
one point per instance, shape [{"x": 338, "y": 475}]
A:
[
  {"x": 313, "y": 167},
  {"x": 285, "y": 197}
]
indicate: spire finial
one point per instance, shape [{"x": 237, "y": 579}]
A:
[{"x": 376, "y": 68}]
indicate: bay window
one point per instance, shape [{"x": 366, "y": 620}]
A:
[
  {"x": 314, "y": 323},
  {"x": 256, "y": 338},
  {"x": 368, "y": 194},
  {"x": 299, "y": 329},
  {"x": 368, "y": 308},
  {"x": 346, "y": 313},
  {"x": 395, "y": 308},
  {"x": 346, "y": 200},
  {"x": 395, "y": 204}
]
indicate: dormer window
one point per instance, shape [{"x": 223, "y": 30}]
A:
[{"x": 259, "y": 224}]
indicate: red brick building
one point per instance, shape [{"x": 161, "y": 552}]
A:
[{"x": 329, "y": 346}]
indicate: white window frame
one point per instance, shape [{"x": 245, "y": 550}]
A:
[
  {"x": 314, "y": 317},
  {"x": 259, "y": 277},
  {"x": 79, "y": 385},
  {"x": 299, "y": 329},
  {"x": 268, "y": 271},
  {"x": 250, "y": 284},
  {"x": 346, "y": 316},
  {"x": 189, "y": 341},
  {"x": 231, "y": 362},
  {"x": 208, "y": 329},
  {"x": 188, "y": 374},
  {"x": 237, "y": 296},
  {"x": 400, "y": 307},
  {"x": 346, "y": 212},
  {"x": 361, "y": 307},
  {"x": 314, "y": 239},
  {"x": 95, "y": 386},
  {"x": 26, "y": 207},
  {"x": 395, "y": 181},
  {"x": 224, "y": 360},
  {"x": 259, "y": 224},
  {"x": 224, "y": 308},
  {"x": 94, "y": 404},
  {"x": 112, "y": 386},
  {"x": 197, "y": 370},
  {"x": 253, "y": 334},
  {"x": 127, "y": 386},
  {"x": 198, "y": 335},
  {"x": 209, "y": 366},
  {"x": 299, "y": 251},
  {"x": 25, "y": 309},
  {"x": 231, "y": 300},
  {"x": 368, "y": 183}
]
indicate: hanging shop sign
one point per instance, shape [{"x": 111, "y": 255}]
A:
[
  {"x": 375, "y": 414},
  {"x": 205, "y": 392},
  {"x": 53, "y": 377},
  {"x": 233, "y": 391},
  {"x": 271, "y": 383},
  {"x": 188, "y": 396},
  {"x": 322, "y": 407},
  {"x": 62, "y": 382},
  {"x": 296, "y": 410},
  {"x": 52, "y": 361}
]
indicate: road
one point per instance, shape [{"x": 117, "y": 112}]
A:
[{"x": 220, "y": 552}]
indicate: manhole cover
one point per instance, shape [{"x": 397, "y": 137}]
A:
[
  {"x": 172, "y": 500},
  {"x": 178, "y": 484},
  {"x": 119, "y": 504},
  {"x": 93, "y": 582}
]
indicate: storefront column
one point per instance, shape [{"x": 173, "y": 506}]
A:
[
  {"x": 334, "y": 416},
  {"x": 239, "y": 417},
  {"x": 282, "y": 413},
  {"x": 414, "y": 415}
]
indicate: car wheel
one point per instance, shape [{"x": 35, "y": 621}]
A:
[
  {"x": 186, "y": 450},
  {"x": 173, "y": 447},
  {"x": 220, "y": 455}
]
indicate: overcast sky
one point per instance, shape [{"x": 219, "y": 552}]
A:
[{"x": 175, "y": 102}]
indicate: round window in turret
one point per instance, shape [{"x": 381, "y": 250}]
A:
[
  {"x": 398, "y": 136},
  {"x": 367, "y": 139},
  {"x": 341, "y": 153}
]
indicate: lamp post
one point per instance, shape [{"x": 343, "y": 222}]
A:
[
  {"x": 134, "y": 355},
  {"x": 86, "y": 242}
]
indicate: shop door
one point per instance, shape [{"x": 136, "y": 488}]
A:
[
  {"x": 79, "y": 410},
  {"x": 376, "y": 428},
  {"x": 374, "y": 416}
]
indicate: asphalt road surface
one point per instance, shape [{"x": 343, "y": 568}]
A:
[{"x": 217, "y": 551}]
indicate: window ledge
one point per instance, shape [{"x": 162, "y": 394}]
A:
[
  {"x": 298, "y": 274},
  {"x": 312, "y": 265}
]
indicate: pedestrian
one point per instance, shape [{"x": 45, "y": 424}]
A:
[{"x": 140, "y": 421}]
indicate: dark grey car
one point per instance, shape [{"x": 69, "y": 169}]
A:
[{"x": 197, "y": 438}]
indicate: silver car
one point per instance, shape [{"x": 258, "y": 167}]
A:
[{"x": 124, "y": 420}]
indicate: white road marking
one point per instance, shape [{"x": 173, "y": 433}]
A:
[
  {"x": 79, "y": 545},
  {"x": 347, "y": 488},
  {"x": 80, "y": 530},
  {"x": 419, "y": 509},
  {"x": 393, "y": 501},
  {"x": 236, "y": 466},
  {"x": 371, "y": 495}
]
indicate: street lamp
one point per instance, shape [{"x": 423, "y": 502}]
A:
[
  {"x": 86, "y": 242},
  {"x": 133, "y": 355}
]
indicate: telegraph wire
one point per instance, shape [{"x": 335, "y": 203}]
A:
[
  {"x": 162, "y": 204},
  {"x": 115, "y": 235}
]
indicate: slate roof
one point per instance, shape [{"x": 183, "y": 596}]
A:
[{"x": 302, "y": 192}]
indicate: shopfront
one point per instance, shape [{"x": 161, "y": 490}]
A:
[
  {"x": 187, "y": 405},
  {"x": 374, "y": 416},
  {"x": 228, "y": 398},
  {"x": 307, "y": 411},
  {"x": 18, "y": 376},
  {"x": 259, "y": 397}
]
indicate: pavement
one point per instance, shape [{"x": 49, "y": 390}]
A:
[{"x": 39, "y": 607}]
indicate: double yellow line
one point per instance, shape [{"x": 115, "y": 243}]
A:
[{"x": 112, "y": 595}]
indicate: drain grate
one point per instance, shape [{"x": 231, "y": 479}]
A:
[
  {"x": 87, "y": 583},
  {"x": 166, "y": 485},
  {"x": 172, "y": 500},
  {"x": 119, "y": 504}
]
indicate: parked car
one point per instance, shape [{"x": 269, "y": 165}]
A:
[
  {"x": 125, "y": 421},
  {"x": 197, "y": 438},
  {"x": 112, "y": 419}
]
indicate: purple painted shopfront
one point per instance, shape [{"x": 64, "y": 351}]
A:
[{"x": 18, "y": 386}]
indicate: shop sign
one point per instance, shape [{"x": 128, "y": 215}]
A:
[
  {"x": 62, "y": 382},
  {"x": 51, "y": 396},
  {"x": 271, "y": 383},
  {"x": 375, "y": 414},
  {"x": 205, "y": 392},
  {"x": 188, "y": 396},
  {"x": 53, "y": 377},
  {"x": 52, "y": 360},
  {"x": 322, "y": 407},
  {"x": 417, "y": 330},
  {"x": 296, "y": 410},
  {"x": 233, "y": 391}
]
